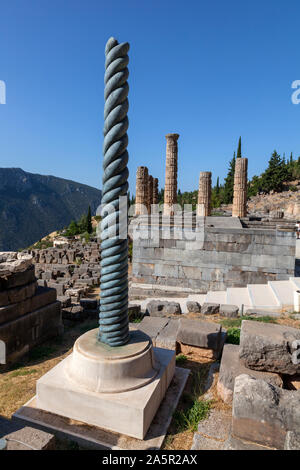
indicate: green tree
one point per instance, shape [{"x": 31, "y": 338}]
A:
[
  {"x": 229, "y": 180},
  {"x": 275, "y": 175},
  {"x": 73, "y": 229}
]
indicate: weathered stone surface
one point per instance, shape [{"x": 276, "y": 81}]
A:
[
  {"x": 160, "y": 308},
  {"x": 292, "y": 441},
  {"x": 155, "y": 308},
  {"x": 75, "y": 313},
  {"x": 263, "y": 413},
  {"x": 42, "y": 297},
  {"x": 152, "y": 326},
  {"x": 204, "y": 194},
  {"x": 167, "y": 337},
  {"x": 30, "y": 439},
  {"x": 269, "y": 347},
  {"x": 193, "y": 306},
  {"x": 172, "y": 308},
  {"x": 229, "y": 311},
  {"x": 209, "y": 308},
  {"x": 199, "y": 333},
  {"x": 21, "y": 334},
  {"x": 20, "y": 278},
  {"x": 239, "y": 207},
  {"x": 233, "y": 443},
  {"x": 13, "y": 262},
  {"x": 213, "y": 431},
  {"x": 17, "y": 294},
  {"x": 64, "y": 300},
  {"x": 170, "y": 194},
  {"x": 231, "y": 367},
  {"x": 141, "y": 196}
]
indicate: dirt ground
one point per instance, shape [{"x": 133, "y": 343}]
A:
[{"x": 18, "y": 382}]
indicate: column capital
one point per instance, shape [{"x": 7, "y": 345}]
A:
[{"x": 172, "y": 136}]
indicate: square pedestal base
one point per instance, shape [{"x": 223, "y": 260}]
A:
[{"x": 129, "y": 413}]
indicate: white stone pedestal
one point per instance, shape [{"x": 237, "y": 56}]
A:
[{"x": 118, "y": 389}]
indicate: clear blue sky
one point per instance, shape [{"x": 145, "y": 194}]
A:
[{"x": 210, "y": 71}]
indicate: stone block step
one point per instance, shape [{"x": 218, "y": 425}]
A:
[
  {"x": 284, "y": 291},
  {"x": 238, "y": 296},
  {"x": 262, "y": 296},
  {"x": 295, "y": 282}
]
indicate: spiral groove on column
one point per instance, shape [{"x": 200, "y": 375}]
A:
[{"x": 114, "y": 328}]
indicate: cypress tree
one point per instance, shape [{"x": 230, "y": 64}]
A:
[
  {"x": 239, "y": 150},
  {"x": 229, "y": 182}
]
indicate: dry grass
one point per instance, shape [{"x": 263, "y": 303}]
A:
[
  {"x": 18, "y": 382},
  {"x": 178, "y": 439}
]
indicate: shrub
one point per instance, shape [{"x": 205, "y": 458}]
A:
[
  {"x": 233, "y": 335},
  {"x": 181, "y": 359}
]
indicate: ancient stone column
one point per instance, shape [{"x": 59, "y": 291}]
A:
[
  {"x": 170, "y": 196},
  {"x": 155, "y": 191},
  {"x": 141, "y": 193},
  {"x": 239, "y": 208},
  {"x": 150, "y": 193},
  {"x": 204, "y": 194}
]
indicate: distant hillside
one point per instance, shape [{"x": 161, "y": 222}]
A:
[{"x": 32, "y": 206}]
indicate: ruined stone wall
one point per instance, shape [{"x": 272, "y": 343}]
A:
[
  {"x": 228, "y": 257},
  {"x": 71, "y": 271},
  {"x": 29, "y": 313}
]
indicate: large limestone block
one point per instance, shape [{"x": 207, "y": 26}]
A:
[
  {"x": 42, "y": 297},
  {"x": 200, "y": 333},
  {"x": 13, "y": 262},
  {"x": 19, "y": 278},
  {"x": 264, "y": 413},
  {"x": 269, "y": 347},
  {"x": 21, "y": 334},
  {"x": 231, "y": 367},
  {"x": 17, "y": 294}
]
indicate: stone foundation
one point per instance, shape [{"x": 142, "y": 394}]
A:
[
  {"x": 224, "y": 255},
  {"x": 29, "y": 314}
]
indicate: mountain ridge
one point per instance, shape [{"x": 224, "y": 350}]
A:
[{"x": 33, "y": 205}]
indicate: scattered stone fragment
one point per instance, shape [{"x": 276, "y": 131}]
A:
[
  {"x": 269, "y": 347},
  {"x": 263, "y": 413},
  {"x": 231, "y": 367},
  {"x": 210, "y": 308},
  {"x": 199, "y": 333},
  {"x": 65, "y": 301},
  {"x": 229, "y": 311},
  {"x": 28, "y": 438},
  {"x": 193, "y": 307},
  {"x": 160, "y": 308}
]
